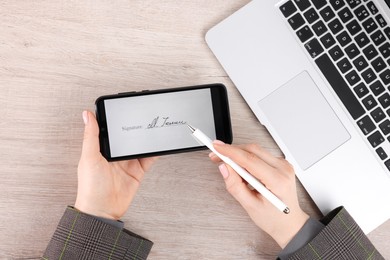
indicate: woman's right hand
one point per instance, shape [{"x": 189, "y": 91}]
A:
[{"x": 277, "y": 175}]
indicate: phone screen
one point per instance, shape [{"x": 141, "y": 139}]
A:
[{"x": 149, "y": 123}]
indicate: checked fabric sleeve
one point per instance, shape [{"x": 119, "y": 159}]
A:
[
  {"x": 341, "y": 238},
  {"x": 81, "y": 236}
]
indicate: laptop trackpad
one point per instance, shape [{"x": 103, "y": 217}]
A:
[{"x": 304, "y": 120}]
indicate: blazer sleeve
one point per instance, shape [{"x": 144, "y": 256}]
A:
[
  {"x": 81, "y": 236},
  {"x": 341, "y": 238}
]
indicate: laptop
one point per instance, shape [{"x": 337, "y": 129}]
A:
[{"x": 316, "y": 74}]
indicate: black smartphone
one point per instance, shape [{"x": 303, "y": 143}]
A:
[{"x": 154, "y": 122}]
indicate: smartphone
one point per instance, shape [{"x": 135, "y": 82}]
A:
[{"x": 154, "y": 122}]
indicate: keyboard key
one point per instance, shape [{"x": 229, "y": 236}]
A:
[
  {"x": 335, "y": 26},
  {"x": 344, "y": 65},
  {"x": 371, "y": 6},
  {"x": 361, "y": 13},
  {"x": 378, "y": 114},
  {"x": 296, "y": 21},
  {"x": 378, "y": 38},
  {"x": 366, "y": 125},
  {"x": 319, "y": 28},
  {"x": 352, "y": 51},
  {"x": 336, "y": 53},
  {"x": 362, "y": 39},
  {"x": 376, "y": 139},
  {"x": 361, "y": 90},
  {"x": 336, "y": 81},
  {"x": 370, "y": 52},
  {"x": 311, "y": 15},
  {"x": 387, "y": 164},
  {"x": 387, "y": 32},
  {"x": 288, "y": 9},
  {"x": 369, "y": 102},
  {"x": 314, "y": 48},
  {"x": 385, "y": 127},
  {"x": 337, "y": 4},
  {"x": 381, "y": 153},
  {"x": 377, "y": 88},
  {"x": 304, "y": 33},
  {"x": 352, "y": 77},
  {"x": 378, "y": 64},
  {"x": 369, "y": 25},
  {"x": 385, "y": 76},
  {"x": 302, "y": 4},
  {"x": 353, "y": 3},
  {"x": 319, "y": 3},
  {"x": 385, "y": 50},
  {"x": 345, "y": 15},
  {"x": 354, "y": 27},
  {"x": 328, "y": 40},
  {"x": 327, "y": 14},
  {"x": 368, "y": 75},
  {"x": 343, "y": 38},
  {"x": 384, "y": 100},
  {"x": 382, "y": 22},
  {"x": 360, "y": 63}
]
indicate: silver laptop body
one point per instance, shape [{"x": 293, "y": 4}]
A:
[{"x": 281, "y": 57}]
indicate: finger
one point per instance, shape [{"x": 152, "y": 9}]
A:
[
  {"x": 280, "y": 164},
  {"x": 131, "y": 168},
  {"x": 137, "y": 167},
  {"x": 262, "y": 154},
  {"x": 91, "y": 147},
  {"x": 146, "y": 163},
  {"x": 238, "y": 188},
  {"x": 251, "y": 162},
  {"x": 257, "y": 150},
  {"x": 214, "y": 157}
]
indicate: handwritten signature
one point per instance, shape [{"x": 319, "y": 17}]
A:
[
  {"x": 157, "y": 122},
  {"x": 164, "y": 122}
]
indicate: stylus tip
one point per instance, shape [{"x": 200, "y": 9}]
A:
[
  {"x": 286, "y": 210},
  {"x": 191, "y": 128}
]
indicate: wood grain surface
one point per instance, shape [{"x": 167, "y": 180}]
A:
[{"x": 56, "y": 58}]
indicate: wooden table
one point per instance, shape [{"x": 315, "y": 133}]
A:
[{"x": 56, "y": 58}]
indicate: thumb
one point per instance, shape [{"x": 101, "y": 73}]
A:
[
  {"x": 91, "y": 146},
  {"x": 238, "y": 188}
]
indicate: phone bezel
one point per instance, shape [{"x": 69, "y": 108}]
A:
[{"x": 221, "y": 112}]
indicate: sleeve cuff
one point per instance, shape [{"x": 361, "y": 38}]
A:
[
  {"x": 310, "y": 230},
  {"x": 82, "y": 236},
  {"x": 112, "y": 222}
]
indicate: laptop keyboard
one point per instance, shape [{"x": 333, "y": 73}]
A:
[{"x": 349, "y": 42}]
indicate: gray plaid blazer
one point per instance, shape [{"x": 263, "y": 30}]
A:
[
  {"x": 341, "y": 238},
  {"x": 81, "y": 236}
]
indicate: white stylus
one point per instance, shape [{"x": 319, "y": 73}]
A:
[{"x": 204, "y": 139}]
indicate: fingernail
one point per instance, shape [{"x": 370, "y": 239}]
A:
[
  {"x": 218, "y": 142},
  {"x": 211, "y": 154},
  {"x": 85, "y": 117},
  {"x": 224, "y": 171}
]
